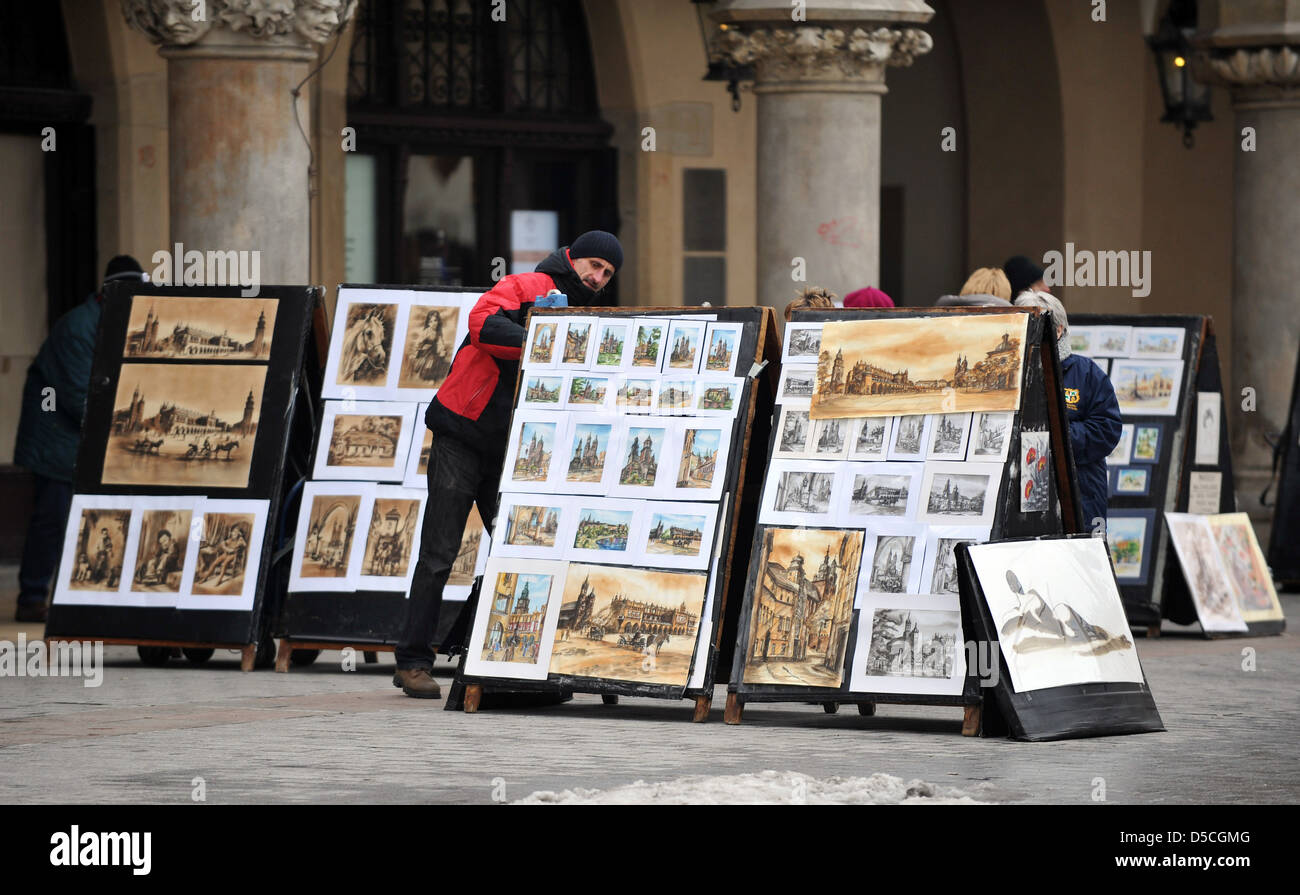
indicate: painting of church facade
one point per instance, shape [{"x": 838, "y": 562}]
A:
[{"x": 184, "y": 328}]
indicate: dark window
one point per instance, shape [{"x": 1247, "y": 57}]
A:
[{"x": 704, "y": 236}]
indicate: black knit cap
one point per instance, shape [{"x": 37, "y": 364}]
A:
[
  {"x": 598, "y": 244},
  {"x": 122, "y": 264},
  {"x": 1022, "y": 273}
]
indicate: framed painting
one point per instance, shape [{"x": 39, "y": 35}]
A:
[
  {"x": 364, "y": 440},
  {"x": 514, "y": 624}
]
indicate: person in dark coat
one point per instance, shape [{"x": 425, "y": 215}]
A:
[
  {"x": 470, "y": 421},
  {"x": 1093, "y": 410},
  {"x": 49, "y": 430}
]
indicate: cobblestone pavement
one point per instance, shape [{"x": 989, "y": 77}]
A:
[{"x": 319, "y": 734}]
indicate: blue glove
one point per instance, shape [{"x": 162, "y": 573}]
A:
[{"x": 553, "y": 299}]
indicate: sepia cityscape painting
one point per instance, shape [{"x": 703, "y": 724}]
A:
[
  {"x": 190, "y": 425},
  {"x": 331, "y": 526},
  {"x": 889, "y": 367},
  {"x": 184, "y": 328},
  {"x": 368, "y": 440}
]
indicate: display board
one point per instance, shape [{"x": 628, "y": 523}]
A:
[
  {"x": 356, "y": 526},
  {"x": 180, "y": 469},
  {"x": 898, "y": 434},
  {"x": 621, "y": 497},
  {"x": 1065, "y": 658},
  {"x": 1283, "y": 556},
  {"x": 1173, "y": 455}
]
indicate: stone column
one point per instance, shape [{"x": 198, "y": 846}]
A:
[
  {"x": 1254, "y": 50},
  {"x": 239, "y": 178},
  {"x": 819, "y": 82}
]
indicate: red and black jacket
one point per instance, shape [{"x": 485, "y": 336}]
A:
[{"x": 473, "y": 405}]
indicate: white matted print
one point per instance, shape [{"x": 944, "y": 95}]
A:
[
  {"x": 514, "y": 624},
  {"x": 910, "y": 646},
  {"x": 1147, "y": 387},
  {"x": 160, "y": 561},
  {"x": 830, "y": 438},
  {"x": 390, "y": 539},
  {"x": 990, "y": 436},
  {"x": 717, "y": 396},
  {"x": 590, "y": 391},
  {"x": 649, "y": 335},
  {"x": 869, "y": 438},
  {"x": 531, "y": 526},
  {"x": 543, "y": 389},
  {"x": 95, "y": 552},
  {"x": 588, "y": 452},
  {"x": 1035, "y": 471},
  {"x": 636, "y": 394},
  {"x": 1207, "y": 578},
  {"x": 1112, "y": 341},
  {"x": 643, "y": 466},
  {"x": 909, "y": 437},
  {"x": 537, "y": 440},
  {"x": 364, "y": 441},
  {"x": 471, "y": 557},
  {"x": 797, "y": 384},
  {"x": 891, "y": 559},
  {"x": 330, "y": 536},
  {"x": 677, "y": 395},
  {"x": 605, "y": 530},
  {"x": 1207, "y": 428},
  {"x": 698, "y": 452},
  {"x": 542, "y": 347},
  {"x": 800, "y": 492},
  {"x": 430, "y": 329},
  {"x": 939, "y": 573},
  {"x": 793, "y": 432},
  {"x": 685, "y": 346},
  {"x": 677, "y": 535},
  {"x": 721, "y": 348},
  {"x": 948, "y": 435},
  {"x": 880, "y": 491},
  {"x": 613, "y": 345},
  {"x": 577, "y": 344},
  {"x": 1158, "y": 342},
  {"x": 417, "y": 457},
  {"x": 1083, "y": 340},
  {"x": 365, "y": 354},
  {"x": 228, "y": 543},
  {"x": 1057, "y": 612},
  {"x": 1123, "y": 453},
  {"x": 960, "y": 493},
  {"x": 803, "y": 343}
]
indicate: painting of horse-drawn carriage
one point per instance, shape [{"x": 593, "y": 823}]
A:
[
  {"x": 390, "y": 538},
  {"x": 197, "y": 328},
  {"x": 187, "y": 425}
]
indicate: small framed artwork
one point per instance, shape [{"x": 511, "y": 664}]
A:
[
  {"x": 990, "y": 436},
  {"x": 892, "y": 559},
  {"x": 830, "y": 439},
  {"x": 939, "y": 572},
  {"x": 417, "y": 458},
  {"x": 160, "y": 563},
  {"x": 531, "y": 526},
  {"x": 541, "y": 348},
  {"x": 869, "y": 438},
  {"x": 514, "y": 624},
  {"x": 1146, "y": 442},
  {"x": 793, "y": 432},
  {"x": 330, "y": 535},
  {"x": 1207, "y": 428},
  {"x": 95, "y": 551},
  {"x": 227, "y": 542},
  {"x": 470, "y": 559},
  {"x": 360, "y": 361},
  {"x": 1131, "y": 481},
  {"x": 1113, "y": 341},
  {"x": 590, "y": 442},
  {"x": 603, "y": 530},
  {"x": 432, "y": 329},
  {"x": 1158, "y": 342},
  {"x": 718, "y": 396},
  {"x": 800, "y": 492},
  {"x": 1207, "y": 579},
  {"x": 648, "y": 343},
  {"x": 722, "y": 346},
  {"x": 1247, "y": 569},
  {"x": 578, "y": 344},
  {"x": 948, "y": 435},
  {"x": 881, "y": 491},
  {"x": 685, "y": 343},
  {"x": 1147, "y": 387},
  {"x": 536, "y": 438},
  {"x": 391, "y": 539},
  {"x": 1127, "y": 536},
  {"x": 960, "y": 493},
  {"x": 589, "y": 391},
  {"x": 1035, "y": 471},
  {"x": 1122, "y": 455},
  {"x": 1083, "y": 339},
  {"x": 677, "y": 396},
  {"x": 543, "y": 390},
  {"x": 909, "y": 437},
  {"x": 699, "y": 460},
  {"x": 803, "y": 343},
  {"x": 642, "y": 467},
  {"x": 678, "y": 535},
  {"x": 636, "y": 394},
  {"x": 885, "y": 659},
  {"x": 364, "y": 440},
  {"x": 612, "y": 345},
  {"x": 797, "y": 383}
]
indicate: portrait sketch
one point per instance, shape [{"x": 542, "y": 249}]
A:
[
  {"x": 224, "y": 554},
  {"x": 430, "y": 346},
  {"x": 100, "y": 550},
  {"x": 160, "y": 556}
]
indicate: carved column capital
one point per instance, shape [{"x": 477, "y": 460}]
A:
[
  {"x": 1248, "y": 67},
  {"x": 289, "y": 24},
  {"x": 820, "y": 54}
]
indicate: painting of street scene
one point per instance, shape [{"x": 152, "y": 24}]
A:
[
  {"x": 698, "y": 463},
  {"x": 531, "y": 526},
  {"x": 676, "y": 534},
  {"x": 676, "y": 394},
  {"x": 914, "y": 643},
  {"x": 430, "y": 346},
  {"x": 533, "y": 456},
  {"x": 391, "y": 537},
  {"x": 224, "y": 554},
  {"x": 891, "y": 564},
  {"x": 160, "y": 557},
  {"x": 517, "y": 618},
  {"x": 794, "y": 432},
  {"x": 609, "y": 350},
  {"x": 1147, "y": 387},
  {"x": 589, "y": 390},
  {"x": 331, "y": 526},
  {"x": 367, "y": 345},
  {"x": 628, "y": 624},
  {"x": 191, "y": 425},
  {"x": 649, "y": 340},
  {"x": 577, "y": 338},
  {"x": 956, "y": 494},
  {"x": 369, "y": 440},
  {"x": 684, "y": 346},
  {"x": 543, "y": 389},
  {"x": 636, "y": 393},
  {"x": 887, "y": 367},
  {"x": 645, "y": 447},
  {"x": 875, "y": 494},
  {"x": 804, "y": 492},
  {"x": 100, "y": 550},
  {"x": 542, "y": 349},
  {"x": 590, "y": 444},
  {"x": 603, "y": 530},
  {"x": 802, "y": 607},
  {"x": 464, "y": 565},
  {"x": 177, "y": 327},
  {"x": 722, "y": 348}
]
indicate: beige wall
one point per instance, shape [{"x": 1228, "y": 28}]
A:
[{"x": 329, "y": 91}]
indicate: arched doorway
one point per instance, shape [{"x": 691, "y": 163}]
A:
[{"x": 477, "y": 139}]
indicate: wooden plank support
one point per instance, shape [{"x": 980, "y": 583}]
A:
[
  {"x": 703, "y": 705},
  {"x": 282, "y": 657},
  {"x": 735, "y": 709},
  {"x": 970, "y": 724},
  {"x": 473, "y": 696},
  {"x": 248, "y": 659}
]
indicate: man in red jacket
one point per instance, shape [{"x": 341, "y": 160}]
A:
[{"x": 470, "y": 422}]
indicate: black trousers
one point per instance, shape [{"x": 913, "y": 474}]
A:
[
  {"x": 44, "y": 540},
  {"x": 460, "y": 476}
]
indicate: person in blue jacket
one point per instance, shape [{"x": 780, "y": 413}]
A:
[
  {"x": 1093, "y": 410},
  {"x": 49, "y": 430}
]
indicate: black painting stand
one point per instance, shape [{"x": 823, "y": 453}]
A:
[
  {"x": 160, "y": 631},
  {"x": 1042, "y": 405},
  {"x": 1053, "y": 713},
  {"x": 1283, "y": 554},
  {"x": 758, "y": 356},
  {"x": 367, "y": 621}
]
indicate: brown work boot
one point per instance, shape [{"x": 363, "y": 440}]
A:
[{"x": 417, "y": 682}]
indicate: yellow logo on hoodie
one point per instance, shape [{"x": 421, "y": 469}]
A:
[{"x": 1072, "y": 398}]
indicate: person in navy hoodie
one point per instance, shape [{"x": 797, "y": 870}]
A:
[{"x": 1093, "y": 410}]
